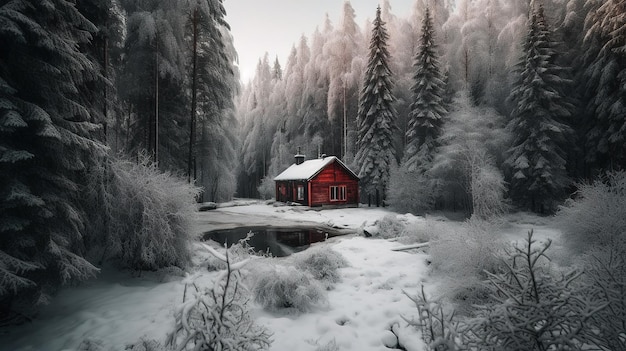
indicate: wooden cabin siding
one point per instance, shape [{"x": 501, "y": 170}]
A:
[
  {"x": 333, "y": 175},
  {"x": 290, "y": 192}
]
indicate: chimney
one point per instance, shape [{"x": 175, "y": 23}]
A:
[{"x": 299, "y": 157}]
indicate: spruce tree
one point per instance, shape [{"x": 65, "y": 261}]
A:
[
  {"x": 428, "y": 107},
  {"x": 604, "y": 80},
  {"x": 46, "y": 145},
  {"x": 212, "y": 148},
  {"x": 376, "y": 116},
  {"x": 536, "y": 159}
]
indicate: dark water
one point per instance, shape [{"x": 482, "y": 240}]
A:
[{"x": 277, "y": 241}]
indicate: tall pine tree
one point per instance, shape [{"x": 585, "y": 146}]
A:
[
  {"x": 427, "y": 109},
  {"x": 536, "y": 160},
  {"x": 215, "y": 88},
  {"x": 376, "y": 116},
  {"x": 46, "y": 145},
  {"x": 604, "y": 79}
]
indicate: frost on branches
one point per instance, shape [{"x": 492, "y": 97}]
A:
[
  {"x": 217, "y": 318},
  {"x": 533, "y": 309},
  {"x": 377, "y": 116}
]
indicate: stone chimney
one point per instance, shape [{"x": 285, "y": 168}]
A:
[{"x": 299, "y": 157}]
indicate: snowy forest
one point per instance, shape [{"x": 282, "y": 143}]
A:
[
  {"x": 104, "y": 105},
  {"x": 117, "y": 117},
  {"x": 524, "y": 98}
]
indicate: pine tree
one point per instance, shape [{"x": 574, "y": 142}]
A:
[
  {"x": 427, "y": 109},
  {"x": 46, "y": 144},
  {"x": 376, "y": 116},
  {"x": 153, "y": 81},
  {"x": 212, "y": 148},
  {"x": 536, "y": 160},
  {"x": 604, "y": 80}
]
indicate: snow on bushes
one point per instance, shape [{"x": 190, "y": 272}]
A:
[
  {"x": 322, "y": 263},
  {"x": 462, "y": 256},
  {"x": 597, "y": 216},
  {"x": 150, "y": 214},
  {"x": 594, "y": 231},
  {"x": 287, "y": 289},
  {"x": 217, "y": 317},
  {"x": 532, "y": 309},
  {"x": 605, "y": 277}
]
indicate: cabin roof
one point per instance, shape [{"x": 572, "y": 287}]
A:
[{"x": 307, "y": 170}]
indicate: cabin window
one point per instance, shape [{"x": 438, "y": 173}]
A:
[
  {"x": 338, "y": 193},
  {"x": 300, "y": 192}
]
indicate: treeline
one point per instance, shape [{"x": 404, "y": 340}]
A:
[
  {"x": 84, "y": 86},
  {"x": 529, "y": 100}
]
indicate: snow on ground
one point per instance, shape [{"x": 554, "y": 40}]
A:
[
  {"x": 363, "y": 307},
  {"x": 259, "y": 213},
  {"x": 118, "y": 309}
]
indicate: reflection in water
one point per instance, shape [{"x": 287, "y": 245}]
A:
[{"x": 277, "y": 241}]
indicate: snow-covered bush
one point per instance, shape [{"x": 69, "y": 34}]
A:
[
  {"x": 605, "y": 280},
  {"x": 594, "y": 231},
  {"x": 423, "y": 231},
  {"x": 287, "y": 289},
  {"x": 531, "y": 308},
  {"x": 487, "y": 188},
  {"x": 267, "y": 188},
  {"x": 389, "y": 227},
  {"x": 237, "y": 252},
  {"x": 438, "y": 328},
  {"x": 463, "y": 256},
  {"x": 410, "y": 191},
  {"x": 217, "y": 317},
  {"x": 322, "y": 263},
  {"x": 149, "y": 217},
  {"x": 597, "y": 216}
]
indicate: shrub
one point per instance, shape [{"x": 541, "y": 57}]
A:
[
  {"x": 410, "y": 191},
  {"x": 322, "y": 263},
  {"x": 287, "y": 289},
  {"x": 148, "y": 220},
  {"x": 597, "y": 216},
  {"x": 438, "y": 328},
  {"x": 423, "y": 231},
  {"x": 605, "y": 280},
  {"x": 390, "y": 227},
  {"x": 487, "y": 189},
  {"x": 217, "y": 318},
  {"x": 463, "y": 256},
  {"x": 532, "y": 309},
  {"x": 267, "y": 188}
]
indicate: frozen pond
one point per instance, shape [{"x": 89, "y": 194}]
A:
[{"x": 279, "y": 241}]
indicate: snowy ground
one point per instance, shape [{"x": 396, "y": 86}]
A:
[{"x": 117, "y": 309}]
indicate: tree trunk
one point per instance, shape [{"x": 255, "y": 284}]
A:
[{"x": 194, "y": 88}]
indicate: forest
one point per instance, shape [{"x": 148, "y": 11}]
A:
[
  {"x": 117, "y": 116},
  {"x": 522, "y": 97},
  {"x": 113, "y": 115}
]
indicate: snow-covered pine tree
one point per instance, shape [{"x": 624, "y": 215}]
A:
[
  {"x": 377, "y": 116},
  {"x": 45, "y": 146},
  {"x": 536, "y": 161},
  {"x": 215, "y": 88},
  {"x": 605, "y": 82},
  {"x": 153, "y": 81},
  {"x": 428, "y": 107}
]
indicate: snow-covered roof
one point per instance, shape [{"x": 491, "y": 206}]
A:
[{"x": 309, "y": 169}]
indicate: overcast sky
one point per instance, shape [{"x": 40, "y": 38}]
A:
[{"x": 273, "y": 26}]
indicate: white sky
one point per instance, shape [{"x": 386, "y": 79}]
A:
[{"x": 274, "y": 26}]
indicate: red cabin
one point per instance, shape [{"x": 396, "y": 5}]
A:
[{"x": 321, "y": 182}]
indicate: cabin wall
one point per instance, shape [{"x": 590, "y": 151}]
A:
[
  {"x": 287, "y": 191},
  {"x": 333, "y": 175}
]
